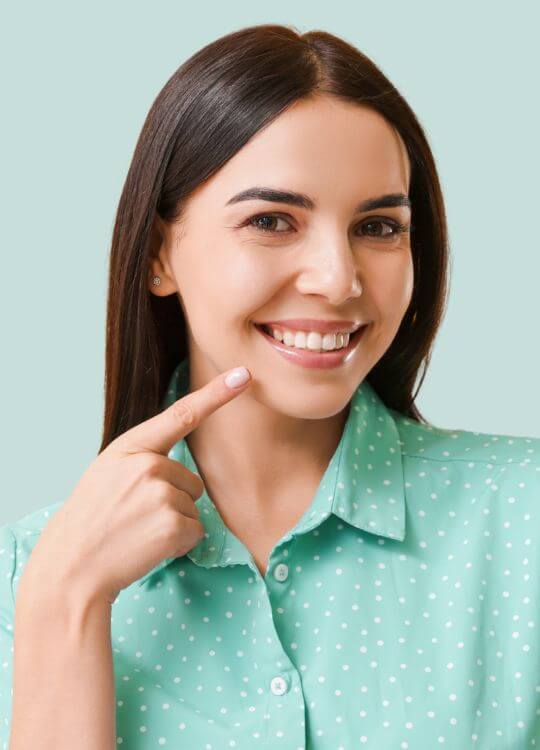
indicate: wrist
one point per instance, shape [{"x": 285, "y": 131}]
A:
[{"x": 43, "y": 594}]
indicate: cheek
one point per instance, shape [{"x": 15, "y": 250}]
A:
[
  {"x": 225, "y": 283},
  {"x": 244, "y": 280},
  {"x": 391, "y": 286}
]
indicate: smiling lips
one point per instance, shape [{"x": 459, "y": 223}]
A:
[
  {"x": 311, "y": 333},
  {"x": 307, "y": 353}
]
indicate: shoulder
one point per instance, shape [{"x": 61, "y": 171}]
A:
[
  {"x": 30, "y": 525},
  {"x": 473, "y": 468},
  {"x": 433, "y": 443},
  {"x": 17, "y": 540}
]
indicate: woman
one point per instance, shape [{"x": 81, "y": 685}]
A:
[{"x": 300, "y": 561}]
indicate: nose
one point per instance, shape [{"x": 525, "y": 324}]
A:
[{"x": 331, "y": 271}]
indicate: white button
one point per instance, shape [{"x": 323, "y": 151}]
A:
[
  {"x": 278, "y": 686},
  {"x": 281, "y": 572}
]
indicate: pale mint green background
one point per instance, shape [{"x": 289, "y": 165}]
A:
[{"x": 77, "y": 82}]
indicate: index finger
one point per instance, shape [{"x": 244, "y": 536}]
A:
[{"x": 159, "y": 433}]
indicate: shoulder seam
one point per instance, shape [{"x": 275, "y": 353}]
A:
[
  {"x": 31, "y": 532},
  {"x": 493, "y": 462}
]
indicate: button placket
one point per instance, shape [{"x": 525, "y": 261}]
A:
[{"x": 286, "y": 710}]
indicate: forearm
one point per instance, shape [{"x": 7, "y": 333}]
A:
[{"x": 63, "y": 677}]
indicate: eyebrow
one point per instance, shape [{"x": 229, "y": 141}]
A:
[{"x": 304, "y": 201}]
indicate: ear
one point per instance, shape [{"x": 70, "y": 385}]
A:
[{"x": 158, "y": 263}]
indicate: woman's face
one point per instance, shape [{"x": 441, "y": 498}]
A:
[{"x": 237, "y": 262}]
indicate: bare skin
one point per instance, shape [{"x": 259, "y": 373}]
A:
[
  {"x": 263, "y": 455},
  {"x": 132, "y": 507}
]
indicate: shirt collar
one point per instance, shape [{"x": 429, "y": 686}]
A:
[{"x": 363, "y": 483}]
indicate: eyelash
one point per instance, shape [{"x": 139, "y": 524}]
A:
[{"x": 395, "y": 225}]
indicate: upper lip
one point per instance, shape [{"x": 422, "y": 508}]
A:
[{"x": 313, "y": 324}]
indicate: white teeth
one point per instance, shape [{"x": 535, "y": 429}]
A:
[{"x": 311, "y": 340}]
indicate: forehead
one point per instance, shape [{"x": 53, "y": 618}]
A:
[{"x": 333, "y": 150}]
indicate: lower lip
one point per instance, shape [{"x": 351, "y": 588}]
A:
[{"x": 308, "y": 358}]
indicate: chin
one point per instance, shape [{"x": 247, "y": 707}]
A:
[{"x": 318, "y": 402}]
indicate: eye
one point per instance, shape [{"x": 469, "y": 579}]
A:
[
  {"x": 268, "y": 225},
  {"x": 393, "y": 228}
]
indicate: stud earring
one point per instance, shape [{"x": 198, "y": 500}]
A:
[{"x": 156, "y": 280}]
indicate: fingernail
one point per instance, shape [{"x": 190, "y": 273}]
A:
[{"x": 237, "y": 377}]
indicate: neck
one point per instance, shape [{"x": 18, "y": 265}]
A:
[{"x": 248, "y": 453}]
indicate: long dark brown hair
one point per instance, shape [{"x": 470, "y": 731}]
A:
[{"x": 210, "y": 107}]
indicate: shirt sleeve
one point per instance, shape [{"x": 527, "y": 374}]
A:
[{"x": 8, "y": 549}]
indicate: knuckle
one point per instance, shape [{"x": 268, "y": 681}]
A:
[
  {"x": 163, "y": 495},
  {"x": 179, "y": 530},
  {"x": 149, "y": 465},
  {"x": 183, "y": 413},
  {"x": 172, "y": 527}
]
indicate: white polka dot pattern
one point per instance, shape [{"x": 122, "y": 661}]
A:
[{"x": 400, "y": 613}]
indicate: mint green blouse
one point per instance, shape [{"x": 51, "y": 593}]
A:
[{"x": 400, "y": 612}]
